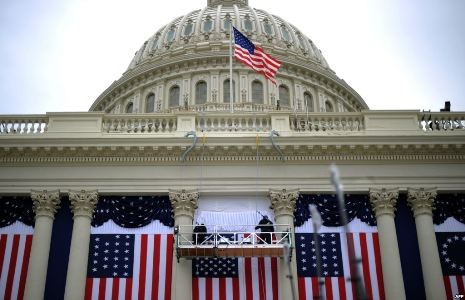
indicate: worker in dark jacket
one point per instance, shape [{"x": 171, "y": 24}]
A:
[
  {"x": 266, "y": 228},
  {"x": 200, "y": 233}
]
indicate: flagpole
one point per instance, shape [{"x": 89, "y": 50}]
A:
[{"x": 231, "y": 95}]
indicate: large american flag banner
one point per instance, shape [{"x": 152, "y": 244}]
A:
[
  {"x": 15, "y": 250},
  {"x": 334, "y": 249},
  {"x": 451, "y": 247},
  {"x": 129, "y": 266},
  {"x": 235, "y": 278},
  {"x": 254, "y": 56}
]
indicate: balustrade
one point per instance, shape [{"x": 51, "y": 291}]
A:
[
  {"x": 233, "y": 123},
  {"x": 139, "y": 124},
  {"x": 441, "y": 121},
  {"x": 23, "y": 124},
  {"x": 327, "y": 122}
]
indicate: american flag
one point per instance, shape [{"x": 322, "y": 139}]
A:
[
  {"x": 452, "y": 253},
  {"x": 254, "y": 57},
  {"x": 129, "y": 266},
  {"x": 14, "y": 259},
  {"x": 335, "y": 265},
  {"x": 235, "y": 278}
]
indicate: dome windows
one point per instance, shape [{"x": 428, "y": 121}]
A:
[
  {"x": 150, "y": 103},
  {"x": 329, "y": 107},
  {"x": 129, "y": 108},
  {"x": 208, "y": 24},
  {"x": 257, "y": 92},
  {"x": 248, "y": 24},
  {"x": 171, "y": 34},
  {"x": 201, "y": 92},
  {"x": 286, "y": 34},
  {"x": 267, "y": 27},
  {"x": 284, "y": 95},
  {"x": 308, "y": 102},
  {"x": 227, "y": 92},
  {"x": 227, "y": 23},
  {"x": 188, "y": 28},
  {"x": 174, "y": 96}
]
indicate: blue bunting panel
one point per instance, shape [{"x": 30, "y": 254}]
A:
[
  {"x": 449, "y": 205},
  {"x": 16, "y": 208},
  {"x": 133, "y": 211},
  {"x": 357, "y": 206}
]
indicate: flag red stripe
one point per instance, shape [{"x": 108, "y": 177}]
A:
[
  {"x": 460, "y": 284},
  {"x": 366, "y": 265},
  {"x": 236, "y": 292},
  {"x": 222, "y": 288},
  {"x": 315, "y": 290},
  {"x": 11, "y": 270},
  {"x": 342, "y": 288},
  {"x": 248, "y": 277},
  {"x": 302, "y": 290},
  {"x": 328, "y": 289},
  {"x": 101, "y": 288},
  {"x": 88, "y": 292},
  {"x": 156, "y": 266},
  {"x": 143, "y": 266},
  {"x": 169, "y": 266},
  {"x": 208, "y": 289},
  {"x": 27, "y": 254},
  {"x": 3, "y": 239},
  {"x": 448, "y": 287},
  {"x": 115, "y": 289},
  {"x": 379, "y": 271},
  {"x": 195, "y": 288},
  {"x": 254, "y": 61},
  {"x": 261, "y": 278},
  {"x": 274, "y": 277},
  {"x": 128, "y": 292},
  {"x": 351, "y": 252}
]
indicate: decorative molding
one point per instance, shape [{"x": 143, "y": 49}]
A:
[
  {"x": 45, "y": 203},
  {"x": 383, "y": 201},
  {"x": 421, "y": 200},
  {"x": 184, "y": 202},
  {"x": 83, "y": 202},
  {"x": 283, "y": 202}
]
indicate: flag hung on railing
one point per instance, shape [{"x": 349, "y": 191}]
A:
[{"x": 253, "y": 56}]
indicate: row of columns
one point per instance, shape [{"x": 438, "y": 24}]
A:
[
  {"x": 184, "y": 204},
  {"x": 45, "y": 205}
]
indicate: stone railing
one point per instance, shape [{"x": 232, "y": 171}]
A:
[
  {"x": 233, "y": 123},
  {"x": 226, "y": 107},
  {"x": 285, "y": 122},
  {"x": 327, "y": 122},
  {"x": 441, "y": 121},
  {"x": 23, "y": 124},
  {"x": 153, "y": 123}
]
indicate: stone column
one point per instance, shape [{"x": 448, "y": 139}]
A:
[
  {"x": 283, "y": 204},
  {"x": 422, "y": 203},
  {"x": 184, "y": 204},
  {"x": 82, "y": 205},
  {"x": 45, "y": 205},
  {"x": 384, "y": 204}
]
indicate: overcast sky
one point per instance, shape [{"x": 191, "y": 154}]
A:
[{"x": 59, "y": 55}]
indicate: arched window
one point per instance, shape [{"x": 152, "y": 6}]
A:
[
  {"x": 188, "y": 28},
  {"x": 171, "y": 34},
  {"x": 129, "y": 108},
  {"x": 174, "y": 96},
  {"x": 267, "y": 27},
  {"x": 329, "y": 107},
  {"x": 201, "y": 92},
  {"x": 285, "y": 32},
  {"x": 257, "y": 92},
  {"x": 284, "y": 95},
  {"x": 226, "y": 91},
  {"x": 208, "y": 24},
  {"x": 150, "y": 103},
  {"x": 227, "y": 23},
  {"x": 308, "y": 101},
  {"x": 248, "y": 24}
]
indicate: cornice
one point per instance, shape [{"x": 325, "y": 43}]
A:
[{"x": 134, "y": 153}]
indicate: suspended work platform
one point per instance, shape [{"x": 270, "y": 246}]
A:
[{"x": 238, "y": 243}]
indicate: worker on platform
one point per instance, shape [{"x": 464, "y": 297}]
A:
[
  {"x": 266, "y": 228},
  {"x": 200, "y": 233}
]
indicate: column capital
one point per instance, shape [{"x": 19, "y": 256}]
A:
[
  {"x": 45, "y": 203},
  {"x": 184, "y": 202},
  {"x": 421, "y": 200},
  {"x": 383, "y": 201},
  {"x": 83, "y": 202},
  {"x": 283, "y": 201}
]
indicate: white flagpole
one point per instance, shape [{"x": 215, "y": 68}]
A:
[{"x": 231, "y": 95}]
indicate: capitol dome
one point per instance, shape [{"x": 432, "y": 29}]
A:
[{"x": 185, "y": 66}]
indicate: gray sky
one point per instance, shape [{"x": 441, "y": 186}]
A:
[{"x": 59, "y": 55}]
